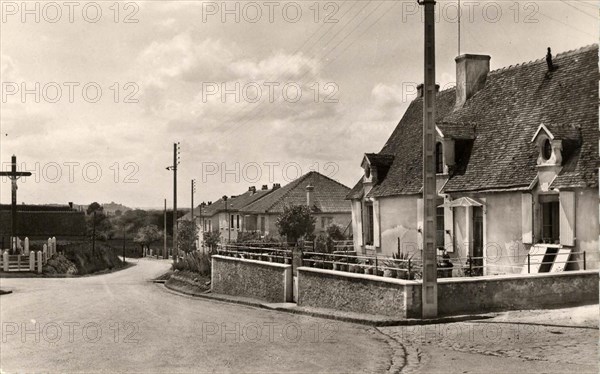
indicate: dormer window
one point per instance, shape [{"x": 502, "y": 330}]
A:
[
  {"x": 547, "y": 150},
  {"x": 368, "y": 172},
  {"x": 549, "y": 146},
  {"x": 439, "y": 158}
]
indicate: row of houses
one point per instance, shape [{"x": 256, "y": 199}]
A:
[
  {"x": 254, "y": 213},
  {"x": 517, "y": 171}
]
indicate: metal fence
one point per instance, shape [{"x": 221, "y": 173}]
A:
[{"x": 255, "y": 253}]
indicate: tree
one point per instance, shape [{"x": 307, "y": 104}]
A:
[
  {"x": 187, "y": 234},
  {"x": 335, "y": 232},
  {"x": 211, "y": 239},
  {"x": 147, "y": 235},
  {"x": 98, "y": 224},
  {"x": 295, "y": 222}
]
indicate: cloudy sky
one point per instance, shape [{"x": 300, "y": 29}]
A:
[{"x": 255, "y": 92}]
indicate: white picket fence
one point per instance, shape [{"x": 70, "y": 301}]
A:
[{"x": 30, "y": 261}]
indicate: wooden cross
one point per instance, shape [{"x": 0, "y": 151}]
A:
[{"x": 13, "y": 175}]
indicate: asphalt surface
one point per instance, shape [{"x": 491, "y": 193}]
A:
[{"x": 122, "y": 322}]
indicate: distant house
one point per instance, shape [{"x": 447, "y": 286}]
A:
[
  {"x": 325, "y": 196},
  {"x": 226, "y": 217},
  {"x": 516, "y": 156}
]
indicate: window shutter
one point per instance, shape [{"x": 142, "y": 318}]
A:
[
  {"x": 567, "y": 218},
  {"x": 448, "y": 227},
  {"x": 357, "y": 221},
  {"x": 376, "y": 226},
  {"x": 527, "y": 218}
]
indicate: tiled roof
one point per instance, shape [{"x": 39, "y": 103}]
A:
[
  {"x": 328, "y": 196},
  {"x": 504, "y": 115},
  {"x": 233, "y": 203}
]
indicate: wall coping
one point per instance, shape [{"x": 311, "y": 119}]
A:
[
  {"x": 254, "y": 262},
  {"x": 344, "y": 274},
  {"x": 504, "y": 277}
]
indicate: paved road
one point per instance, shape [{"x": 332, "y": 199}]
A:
[{"x": 120, "y": 322}]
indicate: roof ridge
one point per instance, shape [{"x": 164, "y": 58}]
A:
[
  {"x": 571, "y": 52},
  {"x": 292, "y": 185}
]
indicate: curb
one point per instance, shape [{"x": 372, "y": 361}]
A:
[{"x": 375, "y": 322}]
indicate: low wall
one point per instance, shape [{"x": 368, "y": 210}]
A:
[
  {"x": 271, "y": 282},
  {"x": 512, "y": 292},
  {"x": 360, "y": 293}
]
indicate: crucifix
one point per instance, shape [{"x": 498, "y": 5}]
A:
[{"x": 13, "y": 175}]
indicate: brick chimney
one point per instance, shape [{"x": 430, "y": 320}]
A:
[
  {"x": 471, "y": 74},
  {"x": 265, "y": 187},
  {"x": 276, "y": 186},
  {"x": 252, "y": 189},
  {"x": 309, "y": 195}
]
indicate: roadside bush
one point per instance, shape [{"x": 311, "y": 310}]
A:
[{"x": 196, "y": 261}]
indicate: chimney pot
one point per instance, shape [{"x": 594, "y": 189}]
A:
[
  {"x": 276, "y": 186},
  {"x": 420, "y": 89},
  {"x": 549, "y": 60},
  {"x": 471, "y": 74},
  {"x": 252, "y": 189},
  {"x": 309, "y": 195},
  {"x": 265, "y": 187}
]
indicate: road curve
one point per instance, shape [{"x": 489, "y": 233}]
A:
[{"x": 121, "y": 322}]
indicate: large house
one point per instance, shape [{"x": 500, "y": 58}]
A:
[
  {"x": 516, "y": 158},
  {"x": 324, "y": 196}
]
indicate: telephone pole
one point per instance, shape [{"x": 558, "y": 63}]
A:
[
  {"x": 192, "y": 213},
  {"x": 429, "y": 285},
  {"x": 165, "y": 254},
  {"x": 176, "y": 151}
]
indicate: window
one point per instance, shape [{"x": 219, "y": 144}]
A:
[
  {"x": 547, "y": 149},
  {"x": 238, "y": 221},
  {"x": 322, "y": 222},
  {"x": 550, "y": 222},
  {"x": 262, "y": 224},
  {"x": 439, "y": 225},
  {"x": 231, "y": 219},
  {"x": 370, "y": 222},
  {"x": 439, "y": 158}
]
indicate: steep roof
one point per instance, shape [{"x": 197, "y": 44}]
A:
[
  {"x": 501, "y": 119},
  {"x": 328, "y": 196}
]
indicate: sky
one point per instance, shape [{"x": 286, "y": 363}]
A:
[{"x": 95, "y": 94}]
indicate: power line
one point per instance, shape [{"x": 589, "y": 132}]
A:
[{"x": 579, "y": 10}]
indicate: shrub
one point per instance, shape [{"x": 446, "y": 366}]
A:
[{"x": 196, "y": 261}]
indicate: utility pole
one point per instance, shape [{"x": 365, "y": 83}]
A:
[
  {"x": 94, "y": 232},
  {"x": 227, "y": 220},
  {"x": 165, "y": 255},
  {"x": 174, "y": 169},
  {"x": 429, "y": 285},
  {"x": 175, "y": 162},
  {"x": 192, "y": 213},
  {"x": 124, "y": 245}
]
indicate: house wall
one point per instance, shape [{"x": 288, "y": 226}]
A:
[
  {"x": 398, "y": 219},
  {"x": 503, "y": 235},
  {"x": 587, "y": 226},
  {"x": 342, "y": 219}
]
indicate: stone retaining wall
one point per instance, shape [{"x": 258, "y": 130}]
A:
[
  {"x": 271, "y": 282},
  {"x": 360, "y": 293}
]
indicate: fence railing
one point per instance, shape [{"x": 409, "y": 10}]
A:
[
  {"x": 406, "y": 267},
  {"x": 255, "y": 253}
]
